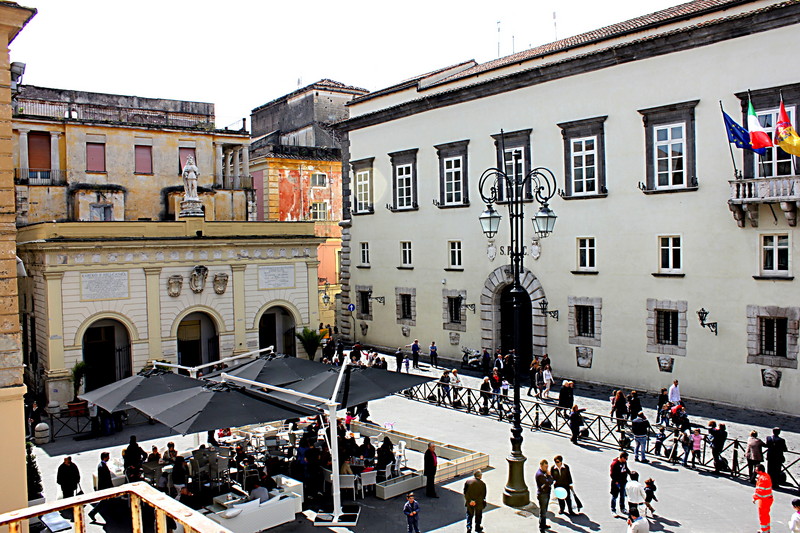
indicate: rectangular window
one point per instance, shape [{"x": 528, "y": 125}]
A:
[
  {"x": 319, "y": 180},
  {"x": 363, "y": 191},
  {"x": 183, "y": 156},
  {"x": 669, "y": 254},
  {"x": 365, "y": 253},
  {"x": 584, "y": 320},
  {"x": 39, "y": 154},
  {"x": 363, "y": 302},
  {"x": 513, "y": 152},
  {"x": 667, "y": 327},
  {"x": 514, "y": 167},
  {"x": 405, "y": 307},
  {"x": 405, "y": 193},
  {"x": 453, "y": 181},
  {"x": 101, "y": 213},
  {"x": 775, "y": 254},
  {"x": 454, "y": 253},
  {"x": 773, "y": 335},
  {"x": 405, "y": 253},
  {"x": 670, "y": 155},
  {"x": 775, "y": 162},
  {"x": 144, "y": 159},
  {"x": 95, "y": 157},
  {"x": 584, "y": 166},
  {"x": 319, "y": 211},
  {"x": 586, "y": 253},
  {"x": 454, "y": 309}
]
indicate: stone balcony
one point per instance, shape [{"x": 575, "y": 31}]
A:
[{"x": 748, "y": 194}]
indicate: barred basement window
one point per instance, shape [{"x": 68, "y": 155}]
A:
[
  {"x": 363, "y": 302},
  {"x": 666, "y": 327},
  {"x": 454, "y": 309},
  {"x": 584, "y": 320},
  {"x": 772, "y": 336},
  {"x": 405, "y": 306}
]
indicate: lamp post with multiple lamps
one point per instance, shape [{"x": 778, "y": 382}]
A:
[{"x": 514, "y": 189}]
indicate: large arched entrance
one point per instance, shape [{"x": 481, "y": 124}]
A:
[
  {"x": 107, "y": 353},
  {"x": 508, "y": 301},
  {"x": 198, "y": 340},
  {"x": 276, "y": 328}
]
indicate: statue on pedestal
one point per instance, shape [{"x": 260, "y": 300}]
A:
[{"x": 191, "y": 206}]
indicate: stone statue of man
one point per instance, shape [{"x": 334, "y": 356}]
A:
[{"x": 190, "y": 174}]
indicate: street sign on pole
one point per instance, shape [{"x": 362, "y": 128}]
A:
[{"x": 351, "y": 307}]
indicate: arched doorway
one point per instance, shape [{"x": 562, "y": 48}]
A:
[
  {"x": 509, "y": 299},
  {"x": 276, "y": 328},
  {"x": 107, "y": 353},
  {"x": 198, "y": 340}
]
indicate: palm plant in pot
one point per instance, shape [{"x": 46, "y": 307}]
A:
[
  {"x": 310, "y": 340},
  {"x": 78, "y": 407}
]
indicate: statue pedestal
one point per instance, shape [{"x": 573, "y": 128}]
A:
[{"x": 191, "y": 208}]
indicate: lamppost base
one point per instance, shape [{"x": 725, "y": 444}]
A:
[{"x": 515, "y": 493}]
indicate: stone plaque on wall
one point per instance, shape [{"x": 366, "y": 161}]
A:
[
  {"x": 104, "y": 285},
  {"x": 276, "y": 277}
]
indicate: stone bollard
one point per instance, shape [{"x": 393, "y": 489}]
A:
[
  {"x": 41, "y": 434},
  {"x": 53, "y": 408}
]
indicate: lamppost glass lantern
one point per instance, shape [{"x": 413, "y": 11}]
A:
[
  {"x": 544, "y": 221},
  {"x": 490, "y": 221}
]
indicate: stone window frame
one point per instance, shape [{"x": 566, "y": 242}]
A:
[
  {"x": 512, "y": 140},
  {"x": 581, "y": 129},
  {"x": 446, "y": 324},
  {"x": 363, "y": 165},
  {"x": 653, "y": 117},
  {"x": 449, "y": 151},
  {"x": 411, "y": 291},
  {"x": 681, "y": 306},
  {"x": 757, "y": 312},
  {"x": 572, "y": 324},
  {"x": 399, "y": 159},
  {"x": 360, "y": 314}
]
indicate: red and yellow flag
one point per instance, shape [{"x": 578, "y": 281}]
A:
[{"x": 785, "y": 135}]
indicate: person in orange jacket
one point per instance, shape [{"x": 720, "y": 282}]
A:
[{"x": 763, "y": 498}]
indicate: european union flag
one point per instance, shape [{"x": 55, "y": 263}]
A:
[{"x": 739, "y": 136}]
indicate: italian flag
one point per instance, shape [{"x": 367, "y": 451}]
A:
[{"x": 758, "y": 137}]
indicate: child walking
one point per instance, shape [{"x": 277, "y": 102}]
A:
[
  {"x": 650, "y": 495},
  {"x": 411, "y": 510}
]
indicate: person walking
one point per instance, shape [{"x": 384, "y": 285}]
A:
[
  {"x": 575, "y": 423},
  {"x": 674, "y": 394},
  {"x": 68, "y": 477},
  {"x": 754, "y": 454},
  {"x": 776, "y": 448},
  {"x": 634, "y": 491},
  {"x": 640, "y": 428},
  {"x": 637, "y": 523},
  {"x": 794, "y": 520},
  {"x": 562, "y": 477},
  {"x": 475, "y": 501},
  {"x": 547, "y": 377},
  {"x": 486, "y": 394},
  {"x": 431, "y": 461},
  {"x": 411, "y": 510},
  {"x": 535, "y": 374},
  {"x": 619, "y": 479},
  {"x": 663, "y": 398},
  {"x": 718, "y": 434},
  {"x": 414, "y": 352},
  {"x": 398, "y": 359},
  {"x": 434, "y": 354},
  {"x": 103, "y": 482},
  {"x": 455, "y": 385},
  {"x": 497, "y": 383},
  {"x": 566, "y": 397},
  {"x": 544, "y": 483},
  {"x": 619, "y": 408},
  {"x": 762, "y": 497}
]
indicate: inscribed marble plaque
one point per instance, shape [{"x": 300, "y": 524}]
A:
[
  {"x": 276, "y": 276},
  {"x": 104, "y": 285}
]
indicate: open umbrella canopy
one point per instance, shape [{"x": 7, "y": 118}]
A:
[
  {"x": 147, "y": 383},
  {"x": 276, "y": 371},
  {"x": 216, "y": 406}
]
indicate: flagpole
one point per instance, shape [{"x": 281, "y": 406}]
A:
[
  {"x": 791, "y": 156},
  {"x": 733, "y": 159}
]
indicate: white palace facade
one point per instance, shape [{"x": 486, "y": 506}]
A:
[{"x": 653, "y": 222}]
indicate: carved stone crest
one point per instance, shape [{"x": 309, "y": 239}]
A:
[
  {"x": 771, "y": 377},
  {"x": 584, "y": 356},
  {"x": 665, "y": 363},
  {"x": 364, "y": 328},
  {"x": 491, "y": 250},
  {"x": 174, "y": 285},
  {"x": 455, "y": 338},
  {"x": 220, "y": 282},
  {"x": 197, "y": 280},
  {"x": 536, "y": 248}
]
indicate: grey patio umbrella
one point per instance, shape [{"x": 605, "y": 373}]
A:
[
  {"x": 215, "y": 406},
  {"x": 147, "y": 383},
  {"x": 274, "y": 370}
]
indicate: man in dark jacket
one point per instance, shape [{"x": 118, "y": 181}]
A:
[
  {"x": 475, "y": 501},
  {"x": 640, "y": 427},
  {"x": 544, "y": 482},
  {"x": 776, "y": 447},
  {"x": 68, "y": 477},
  {"x": 619, "y": 478},
  {"x": 103, "y": 482},
  {"x": 430, "y": 470}
]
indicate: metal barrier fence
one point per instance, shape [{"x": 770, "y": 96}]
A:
[{"x": 601, "y": 429}]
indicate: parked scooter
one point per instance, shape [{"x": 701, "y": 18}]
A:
[{"x": 471, "y": 358}]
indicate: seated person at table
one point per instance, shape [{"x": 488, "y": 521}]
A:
[
  {"x": 367, "y": 451},
  {"x": 258, "y": 493},
  {"x": 225, "y": 432},
  {"x": 345, "y": 469},
  {"x": 154, "y": 455},
  {"x": 170, "y": 453},
  {"x": 385, "y": 453},
  {"x": 240, "y": 457},
  {"x": 266, "y": 480},
  {"x": 187, "y": 498}
]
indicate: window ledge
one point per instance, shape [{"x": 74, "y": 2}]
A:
[
  {"x": 361, "y": 213},
  {"x": 585, "y": 196},
  {"x": 451, "y": 206},
  {"x": 142, "y": 173},
  {"x": 584, "y": 272},
  {"x": 454, "y": 269},
  {"x": 772, "y": 360},
  {"x": 363, "y": 266},
  {"x": 668, "y": 191},
  {"x": 97, "y": 172},
  {"x": 774, "y": 278},
  {"x": 405, "y": 268},
  {"x": 668, "y": 275},
  {"x": 401, "y": 209}
]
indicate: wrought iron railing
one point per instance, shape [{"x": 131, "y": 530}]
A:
[
  {"x": 138, "y": 494},
  {"x": 600, "y": 429},
  {"x": 39, "y": 176}
]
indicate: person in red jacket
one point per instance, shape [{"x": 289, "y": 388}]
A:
[{"x": 763, "y": 498}]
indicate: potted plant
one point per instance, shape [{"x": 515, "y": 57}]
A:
[
  {"x": 34, "y": 477},
  {"x": 78, "y": 407},
  {"x": 310, "y": 340}
]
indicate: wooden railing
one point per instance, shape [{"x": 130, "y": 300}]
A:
[{"x": 137, "y": 493}]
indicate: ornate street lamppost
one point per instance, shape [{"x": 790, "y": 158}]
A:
[{"x": 513, "y": 188}]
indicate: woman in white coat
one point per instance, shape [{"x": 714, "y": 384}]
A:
[{"x": 547, "y": 376}]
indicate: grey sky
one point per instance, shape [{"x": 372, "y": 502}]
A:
[{"x": 239, "y": 54}]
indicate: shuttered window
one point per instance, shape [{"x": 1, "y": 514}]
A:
[
  {"x": 183, "y": 155},
  {"x": 95, "y": 157},
  {"x": 144, "y": 159},
  {"x": 39, "y": 150}
]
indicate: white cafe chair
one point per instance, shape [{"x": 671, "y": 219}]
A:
[
  {"x": 348, "y": 481},
  {"x": 368, "y": 479}
]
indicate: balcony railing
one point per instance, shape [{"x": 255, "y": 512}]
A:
[
  {"x": 137, "y": 493},
  {"x": 231, "y": 183},
  {"x": 38, "y": 176},
  {"x": 746, "y": 194}
]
